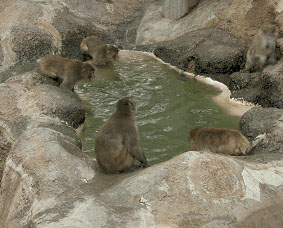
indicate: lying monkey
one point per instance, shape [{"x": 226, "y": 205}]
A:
[{"x": 219, "y": 140}]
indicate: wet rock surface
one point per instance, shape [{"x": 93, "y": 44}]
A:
[{"x": 48, "y": 182}]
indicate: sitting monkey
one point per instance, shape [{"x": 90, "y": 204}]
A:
[
  {"x": 68, "y": 70},
  {"x": 117, "y": 144},
  {"x": 101, "y": 53},
  {"x": 262, "y": 49},
  {"x": 219, "y": 140}
]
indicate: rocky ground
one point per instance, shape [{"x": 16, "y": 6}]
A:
[{"x": 48, "y": 182}]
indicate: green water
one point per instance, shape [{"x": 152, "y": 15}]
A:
[{"x": 168, "y": 105}]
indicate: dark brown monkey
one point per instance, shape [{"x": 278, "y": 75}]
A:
[
  {"x": 68, "y": 70},
  {"x": 100, "y": 53},
  {"x": 117, "y": 144},
  {"x": 219, "y": 140},
  {"x": 262, "y": 49}
]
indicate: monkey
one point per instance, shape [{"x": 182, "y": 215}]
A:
[
  {"x": 219, "y": 140},
  {"x": 100, "y": 53},
  {"x": 262, "y": 50},
  {"x": 117, "y": 144},
  {"x": 67, "y": 70},
  {"x": 88, "y": 45}
]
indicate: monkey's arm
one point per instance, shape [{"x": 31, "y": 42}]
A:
[
  {"x": 69, "y": 82},
  {"x": 135, "y": 150}
]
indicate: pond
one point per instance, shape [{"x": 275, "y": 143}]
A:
[{"x": 168, "y": 105}]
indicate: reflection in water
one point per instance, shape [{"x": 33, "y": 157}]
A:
[{"x": 168, "y": 105}]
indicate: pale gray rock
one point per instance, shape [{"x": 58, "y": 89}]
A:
[
  {"x": 41, "y": 169},
  {"x": 231, "y": 15},
  {"x": 154, "y": 28},
  {"x": 178, "y": 8}
]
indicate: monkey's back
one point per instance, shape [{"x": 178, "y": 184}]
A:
[
  {"x": 110, "y": 146},
  {"x": 220, "y": 140},
  {"x": 53, "y": 64}
]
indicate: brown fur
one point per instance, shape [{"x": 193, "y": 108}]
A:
[
  {"x": 68, "y": 70},
  {"x": 117, "y": 144},
  {"x": 262, "y": 48},
  {"x": 101, "y": 53},
  {"x": 219, "y": 140}
]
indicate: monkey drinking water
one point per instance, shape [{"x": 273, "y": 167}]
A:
[
  {"x": 101, "y": 54},
  {"x": 219, "y": 140},
  {"x": 68, "y": 70}
]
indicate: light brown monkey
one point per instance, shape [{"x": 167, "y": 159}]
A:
[
  {"x": 117, "y": 144},
  {"x": 262, "y": 48},
  {"x": 101, "y": 54},
  {"x": 219, "y": 140},
  {"x": 68, "y": 70},
  {"x": 89, "y": 43}
]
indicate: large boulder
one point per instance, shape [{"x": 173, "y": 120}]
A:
[
  {"x": 42, "y": 99},
  {"x": 272, "y": 88},
  {"x": 240, "y": 17},
  {"x": 263, "y": 126},
  {"x": 31, "y": 29},
  {"x": 204, "y": 51},
  {"x": 41, "y": 169},
  {"x": 263, "y": 88},
  {"x": 258, "y": 121},
  {"x": 24, "y": 98},
  {"x": 246, "y": 86},
  {"x": 56, "y": 188}
]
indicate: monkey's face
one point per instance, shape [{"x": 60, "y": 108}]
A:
[
  {"x": 126, "y": 106},
  {"x": 99, "y": 56},
  {"x": 269, "y": 28},
  {"x": 112, "y": 52}
]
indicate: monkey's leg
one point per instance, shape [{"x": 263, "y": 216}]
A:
[
  {"x": 250, "y": 63},
  {"x": 68, "y": 83},
  {"x": 272, "y": 58},
  {"x": 262, "y": 60},
  {"x": 224, "y": 149}
]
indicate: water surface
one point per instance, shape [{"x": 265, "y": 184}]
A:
[{"x": 168, "y": 104}]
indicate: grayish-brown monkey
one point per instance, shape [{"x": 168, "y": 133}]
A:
[
  {"x": 68, "y": 70},
  {"x": 117, "y": 144},
  {"x": 262, "y": 49},
  {"x": 219, "y": 140},
  {"x": 101, "y": 53}
]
